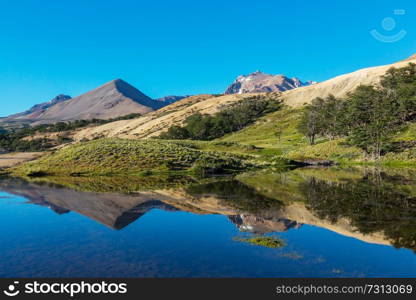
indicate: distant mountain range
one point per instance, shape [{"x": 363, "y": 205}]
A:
[
  {"x": 118, "y": 98},
  {"x": 259, "y": 82},
  {"x": 38, "y": 109},
  {"x": 113, "y": 99}
]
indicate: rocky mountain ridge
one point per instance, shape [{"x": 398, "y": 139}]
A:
[{"x": 259, "y": 82}]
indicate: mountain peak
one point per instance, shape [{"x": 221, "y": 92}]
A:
[
  {"x": 257, "y": 72},
  {"x": 259, "y": 82},
  {"x": 119, "y": 81},
  {"x": 60, "y": 98},
  {"x": 113, "y": 82}
]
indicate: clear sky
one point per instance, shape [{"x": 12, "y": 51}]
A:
[{"x": 180, "y": 47}]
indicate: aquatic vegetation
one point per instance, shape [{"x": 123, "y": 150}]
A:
[{"x": 264, "y": 241}]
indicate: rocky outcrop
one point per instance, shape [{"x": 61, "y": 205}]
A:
[{"x": 259, "y": 82}]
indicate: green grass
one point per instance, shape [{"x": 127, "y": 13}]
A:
[
  {"x": 335, "y": 150},
  {"x": 218, "y": 146},
  {"x": 407, "y": 134},
  {"x": 276, "y": 133},
  {"x": 276, "y": 136},
  {"x": 118, "y": 156}
]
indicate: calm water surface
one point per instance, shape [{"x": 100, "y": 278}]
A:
[{"x": 334, "y": 223}]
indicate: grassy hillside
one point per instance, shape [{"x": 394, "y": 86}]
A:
[
  {"x": 276, "y": 134},
  {"x": 141, "y": 157}
]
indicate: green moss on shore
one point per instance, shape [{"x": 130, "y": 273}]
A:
[{"x": 264, "y": 241}]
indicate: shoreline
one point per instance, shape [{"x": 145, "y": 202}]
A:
[{"x": 9, "y": 160}]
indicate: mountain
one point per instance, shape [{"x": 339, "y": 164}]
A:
[
  {"x": 259, "y": 82},
  {"x": 154, "y": 123},
  {"x": 113, "y": 99},
  {"x": 38, "y": 109}
]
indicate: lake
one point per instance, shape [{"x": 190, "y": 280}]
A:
[{"x": 329, "y": 222}]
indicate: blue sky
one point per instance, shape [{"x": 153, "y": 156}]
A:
[{"x": 187, "y": 47}]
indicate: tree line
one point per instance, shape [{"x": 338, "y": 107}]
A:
[{"x": 367, "y": 117}]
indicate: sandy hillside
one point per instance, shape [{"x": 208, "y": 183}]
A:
[
  {"x": 341, "y": 85},
  {"x": 154, "y": 123}
]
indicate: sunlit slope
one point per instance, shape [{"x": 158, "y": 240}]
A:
[{"x": 341, "y": 85}]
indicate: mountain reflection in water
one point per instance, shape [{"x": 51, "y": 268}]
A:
[{"x": 372, "y": 205}]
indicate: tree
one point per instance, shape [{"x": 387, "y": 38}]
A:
[
  {"x": 400, "y": 84},
  {"x": 312, "y": 122},
  {"x": 333, "y": 117},
  {"x": 373, "y": 118}
]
